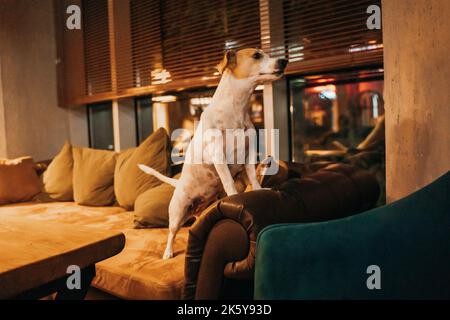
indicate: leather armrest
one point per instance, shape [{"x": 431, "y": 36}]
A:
[{"x": 333, "y": 192}]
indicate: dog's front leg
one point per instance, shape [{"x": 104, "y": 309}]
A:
[
  {"x": 217, "y": 158},
  {"x": 251, "y": 174},
  {"x": 250, "y": 165},
  {"x": 227, "y": 180}
]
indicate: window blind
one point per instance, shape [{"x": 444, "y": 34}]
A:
[
  {"x": 139, "y": 49},
  {"x": 97, "y": 58},
  {"x": 196, "y": 33},
  {"x": 134, "y": 47},
  {"x": 176, "y": 44},
  {"x": 319, "y": 35}
]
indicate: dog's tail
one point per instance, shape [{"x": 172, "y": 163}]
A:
[{"x": 156, "y": 174}]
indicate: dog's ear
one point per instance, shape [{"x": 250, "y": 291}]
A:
[{"x": 228, "y": 61}]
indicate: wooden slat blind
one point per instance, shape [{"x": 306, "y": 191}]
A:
[
  {"x": 96, "y": 47},
  {"x": 139, "y": 50},
  {"x": 146, "y": 40},
  {"x": 196, "y": 33},
  {"x": 318, "y": 35},
  {"x": 133, "y": 47},
  {"x": 71, "y": 52},
  {"x": 177, "y": 43}
]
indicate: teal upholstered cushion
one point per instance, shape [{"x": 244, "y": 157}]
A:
[{"x": 409, "y": 240}]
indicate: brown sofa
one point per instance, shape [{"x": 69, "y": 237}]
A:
[
  {"x": 215, "y": 257},
  {"x": 220, "y": 257}
]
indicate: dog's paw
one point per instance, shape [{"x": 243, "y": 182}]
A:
[{"x": 167, "y": 255}]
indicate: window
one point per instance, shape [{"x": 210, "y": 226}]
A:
[
  {"x": 182, "y": 110},
  {"x": 333, "y": 112},
  {"x": 144, "y": 117},
  {"x": 100, "y": 124}
]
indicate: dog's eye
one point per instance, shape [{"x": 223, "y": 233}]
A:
[{"x": 257, "y": 55}]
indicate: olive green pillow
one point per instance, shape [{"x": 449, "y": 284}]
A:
[
  {"x": 151, "y": 209},
  {"x": 93, "y": 176},
  {"x": 130, "y": 181},
  {"x": 57, "y": 181}
]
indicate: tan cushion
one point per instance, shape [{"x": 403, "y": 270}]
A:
[
  {"x": 57, "y": 179},
  {"x": 18, "y": 180},
  {"x": 130, "y": 181},
  {"x": 93, "y": 176},
  {"x": 151, "y": 208}
]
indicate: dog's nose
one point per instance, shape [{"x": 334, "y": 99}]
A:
[{"x": 282, "y": 63}]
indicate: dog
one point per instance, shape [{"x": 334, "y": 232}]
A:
[{"x": 241, "y": 72}]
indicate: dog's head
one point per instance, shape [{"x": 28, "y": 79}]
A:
[{"x": 253, "y": 64}]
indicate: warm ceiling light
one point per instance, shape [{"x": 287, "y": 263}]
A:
[
  {"x": 160, "y": 76},
  {"x": 325, "y": 80},
  {"x": 164, "y": 99},
  {"x": 329, "y": 87},
  {"x": 365, "y": 48},
  {"x": 202, "y": 101}
]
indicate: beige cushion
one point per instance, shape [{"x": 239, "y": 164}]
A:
[
  {"x": 57, "y": 179},
  {"x": 130, "y": 181},
  {"x": 93, "y": 176},
  {"x": 18, "y": 180},
  {"x": 151, "y": 208}
]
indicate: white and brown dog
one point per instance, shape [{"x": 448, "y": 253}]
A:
[{"x": 241, "y": 72}]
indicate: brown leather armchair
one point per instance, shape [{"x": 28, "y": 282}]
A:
[{"x": 220, "y": 256}]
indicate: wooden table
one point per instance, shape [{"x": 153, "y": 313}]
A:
[{"x": 35, "y": 256}]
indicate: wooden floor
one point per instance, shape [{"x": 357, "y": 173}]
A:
[{"x": 93, "y": 294}]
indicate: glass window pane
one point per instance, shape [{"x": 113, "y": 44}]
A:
[
  {"x": 144, "y": 117},
  {"x": 182, "y": 110},
  {"x": 101, "y": 134},
  {"x": 331, "y": 113}
]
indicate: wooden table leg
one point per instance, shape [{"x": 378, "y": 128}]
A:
[
  {"x": 60, "y": 287},
  {"x": 87, "y": 275}
]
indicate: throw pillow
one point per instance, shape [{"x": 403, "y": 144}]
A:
[
  {"x": 93, "y": 176},
  {"x": 151, "y": 209},
  {"x": 130, "y": 181},
  {"x": 19, "y": 181},
  {"x": 57, "y": 179}
]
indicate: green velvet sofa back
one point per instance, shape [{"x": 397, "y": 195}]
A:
[{"x": 408, "y": 240}]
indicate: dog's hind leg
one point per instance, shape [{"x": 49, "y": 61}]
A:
[
  {"x": 174, "y": 226},
  {"x": 168, "y": 253},
  {"x": 178, "y": 209}
]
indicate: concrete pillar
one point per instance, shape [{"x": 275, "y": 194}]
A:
[
  {"x": 3, "y": 145},
  {"x": 31, "y": 123},
  {"x": 417, "y": 99}
]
